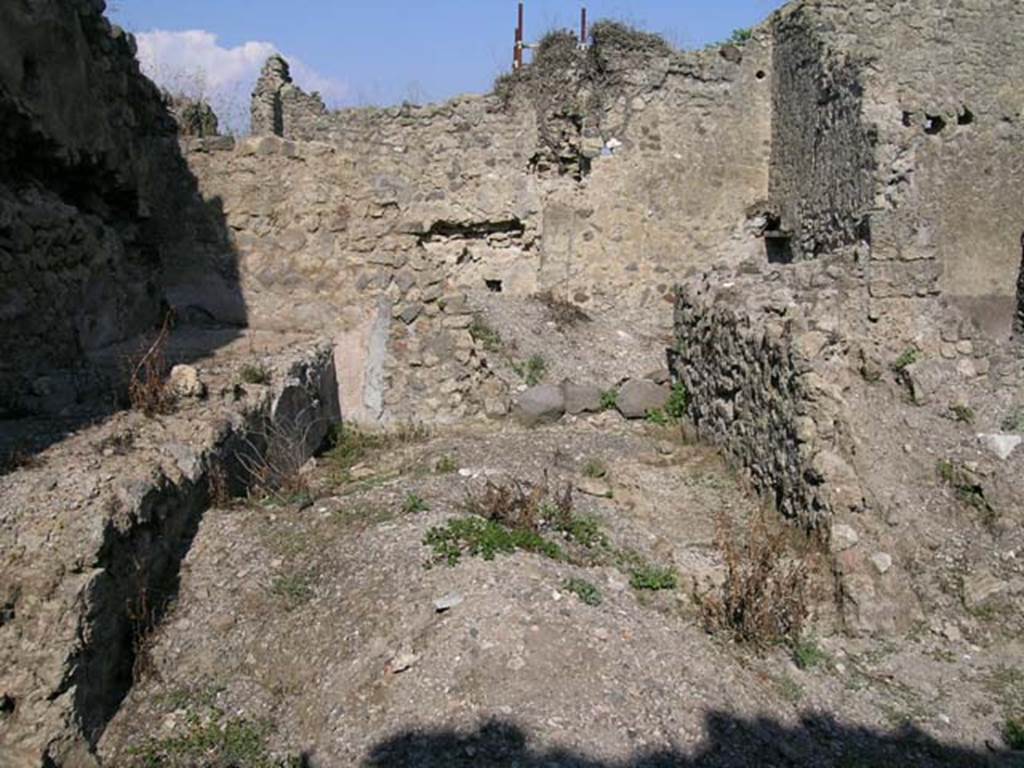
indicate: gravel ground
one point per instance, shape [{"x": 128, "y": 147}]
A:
[{"x": 315, "y": 625}]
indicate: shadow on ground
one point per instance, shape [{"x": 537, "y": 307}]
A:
[{"x": 732, "y": 742}]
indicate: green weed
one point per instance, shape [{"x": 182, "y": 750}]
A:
[
  {"x": 255, "y": 373},
  {"x": 294, "y": 588},
  {"x": 213, "y": 740},
  {"x": 446, "y": 465},
  {"x": 532, "y": 371},
  {"x": 609, "y": 399},
  {"x": 658, "y": 417},
  {"x": 741, "y": 36},
  {"x": 910, "y": 356},
  {"x": 807, "y": 654},
  {"x": 584, "y": 590},
  {"x": 675, "y": 409},
  {"x": 646, "y": 576},
  {"x": 594, "y": 468},
  {"x": 484, "y": 334},
  {"x": 477, "y": 537},
  {"x": 413, "y": 505}
]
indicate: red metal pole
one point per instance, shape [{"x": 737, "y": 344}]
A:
[
  {"x": 583, "y": 25},
  {"x": 517, "y": 61}
]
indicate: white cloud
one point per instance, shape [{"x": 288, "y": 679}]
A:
[{"x": 193, "y": 63}]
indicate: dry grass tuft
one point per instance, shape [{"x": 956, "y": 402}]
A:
[
  {"x": 523, "y": 506},
  {"x": 561, "y": 311},
  {"x": 764, "y": 599},
  {"x": 273, "y": 460},
  {"x": 147, "y": 383}
]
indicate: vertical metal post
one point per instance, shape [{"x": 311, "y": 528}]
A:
[
  {"x": 517, "y": 56},
  {"x": 583, "y": 25}
]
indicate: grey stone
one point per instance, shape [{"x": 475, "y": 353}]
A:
[
  {"x": 982, "y": 589},
  {"x": 410, "y": 313},
  {"x": 843, "y": 538},
  {"x": 638, "y": 397},
  {"x": 882, "y": 561},
  {"x": 449, "y": 601},
  {"x": 581, "y": 398},
  {"x": 543, "y": 404},
  {"x": 594, "y": 486},
  {"x": 660, "y": 376},
  {"x": 926, "y": 379}
]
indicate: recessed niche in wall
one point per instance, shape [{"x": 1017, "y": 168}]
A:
[{"x": 933, "y": 124}]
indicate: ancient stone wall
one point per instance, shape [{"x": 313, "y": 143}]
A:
[
  {"x": 913, "y": 95},
  {"x": 381, "y": 223},
  {"x": 822, "y": 157},
  {"x": 753, "y": 361},
  {"x": 93, "y": 189}
]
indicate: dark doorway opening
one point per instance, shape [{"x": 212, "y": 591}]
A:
[{"x": 778, "y": 247}]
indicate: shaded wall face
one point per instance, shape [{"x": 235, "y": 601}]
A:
[
  {"x": 822, "y": 159},
  {"x": 92, "y": 190}
]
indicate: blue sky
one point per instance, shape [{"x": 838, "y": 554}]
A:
[{"x": 381, "y": 52}]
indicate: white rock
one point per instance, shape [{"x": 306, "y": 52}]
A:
[
  {"x": 882, "y": 561},
  {"x": 184, "y": 381},
  {"x": 447, "y": 602},
  {"x": 402, "y": 662},
  {"x": 1001, "y": 445},
  {"x": 843, "y": 538}
]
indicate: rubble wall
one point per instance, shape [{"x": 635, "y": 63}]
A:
[
  {"x": 92, "y": 191},
  {"x": 822, "y": 156},
  {"x": 754, "y": 364},
  {"x": 365, "y": 222}
]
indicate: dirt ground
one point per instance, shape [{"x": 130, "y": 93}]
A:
[{"x": 313, "y": 629}]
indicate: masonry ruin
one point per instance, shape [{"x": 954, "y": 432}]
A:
[{"x": 821, "y": 224}]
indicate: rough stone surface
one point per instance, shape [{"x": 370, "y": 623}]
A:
[
  {"x": 1002, "y": 446},
  {"x": 542, "y": 404},
  {"x": 639, "y": 397},
  {"x": 184, "y": 381},
  {"x": 581, "y": 398},
  {"x": 128, "y": 495},
  {"x": 99, "y": 216}
]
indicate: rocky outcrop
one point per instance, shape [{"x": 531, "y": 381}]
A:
[{"x": 89, "y": 556}]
